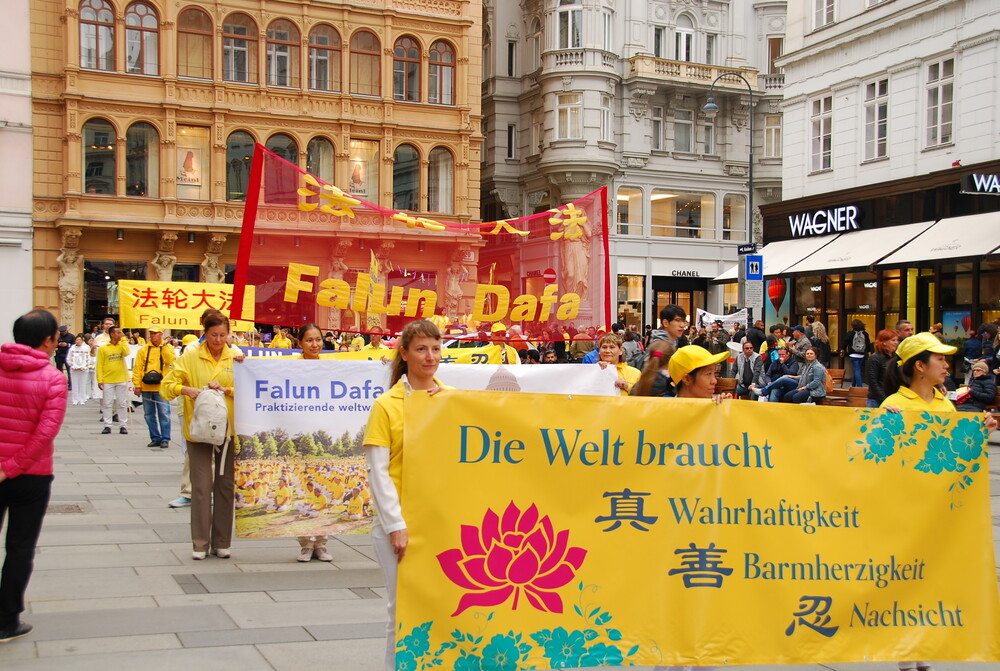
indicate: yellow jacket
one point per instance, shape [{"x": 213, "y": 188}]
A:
[
  {"x": 906, "y": 399},
  {"x": 159, "y": 358},
  {"x": 630, "y": 374},
  {"x": 111, "y": 367},
  {"x": 197, "y": 368},
  {"x": 281, "y": 342}
]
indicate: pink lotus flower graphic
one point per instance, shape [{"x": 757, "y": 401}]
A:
[{"x": 504, "y": 557}]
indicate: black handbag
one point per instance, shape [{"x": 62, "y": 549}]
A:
[{"x": 152, "y": 376}]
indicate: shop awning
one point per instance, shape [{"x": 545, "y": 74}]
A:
[
  {"x": 970, "y": 237},
  {"x": 859, "y": 249},
  {"x": 778, "y": 256}
]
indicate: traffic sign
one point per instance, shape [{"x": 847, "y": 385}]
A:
[
  {"x": 549, "y": 275},
  {"x": 750, "y": 248},
  {"x": 754, "y": 267}
]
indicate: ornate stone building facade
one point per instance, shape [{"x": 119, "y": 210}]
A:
[{"x": 146, "y": 114}]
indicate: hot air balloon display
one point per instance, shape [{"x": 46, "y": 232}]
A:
[
  {"x": 966, "y": 323},
  {"x": 776, "y": 290}
]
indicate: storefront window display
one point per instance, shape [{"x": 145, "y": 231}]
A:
[
  {"x": 989, "y": 290},
  {"x": 193, "y": 167},
  {"x": 734, "y": 217},
  {"x": 631, "y": 299},
  {"x": 681, "y": 214},
  {"x": 630, "y": 210},
  {"x": 101, "y": 287}
]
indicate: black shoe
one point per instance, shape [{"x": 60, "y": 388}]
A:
[
  {"x": 123, "y": 431},
  {"x": 165, "y": 444},
  {"x": 107, "y": 429},
  {"x": 17, "y": 631},
  {"x": 153, "y": 443},
  {"x": 114, "y": 417}
]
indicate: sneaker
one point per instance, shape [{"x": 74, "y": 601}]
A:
[
  {"x": 222, "y": 553},
  {"x": 180, "y": 502},
  {"x": 165, "y": 444},
  {"x": 305, "y": 554},
  {"x": 754, "y": 390},
  {"x": 123, "y": 431},
  {"x": 17, "y": 631},
  {"x": 198, "y": 555},
  {"x": 106, "y": 429},
  {"x": 322, "y": 554},
  {"x": 153, "y": 443}
]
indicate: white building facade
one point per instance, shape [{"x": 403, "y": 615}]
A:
[
  {"x": 580, "y": 94},
  {"x": 15, "y": 171}
]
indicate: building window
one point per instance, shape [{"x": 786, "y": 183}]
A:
[
  {"x": 684, "y": 39},
  {"x": 876, "y": 119},
  {"x": 535, "y": 40},
  {"x": 678, "y": 214},
  {"x": 822, "y": 133},
  {"x": 193, "y": 167},
  {"x": 320, "y": 159},
  {"x": 324, "y": 59},
  {"x": 822, "y": 13},
  {"x": 709, "y": 138},
  {"x": 239, "y": 49},
  {"x": 406, "y": 178},
  {"x": 366, "y": 76},
  {"x": 239, "y": 151},
  {"x": 629, "y": 202},
  {"x": 772, "y": 136},
  {"x": 607, "y": 134},
  {"x": 710, "y": 48},
  {"x": 142, "y": 34},
  {"x": 364, "y": 161},
  {"x": 775, "y": 47},
  {"x": 406, "y": 70},
  {"x": 99, "y": 140},
  {"x": 487, "y": 54},
  {"x": 282, "y": 185},
  {"x": 608, "y": 32},
  {"x": 570, "y": 24},
  {"x": 97, "y": 35},
  {"x": 537, "y": 132},
  {"x": 511, "y": 58},
  {"x": 940, "y": 100},
  {"x": 441, "y": 74},
  {"x": 734, "y": 217},
  {"x": 142, "y": 161},
  {"x": 441, "y": 181},
  {"x": 283, "y": 54},
  {"x": 569, "y": 110},
  {"x": 511, "y": 141},
  {"x": 659, "y": 42},
  {"x": 656, "y": 127},
  {"x": 683, "y": 130},
  {"x": 194, "y": 44}
]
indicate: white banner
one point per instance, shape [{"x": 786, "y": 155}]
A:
[
  {"x": 704, "y": 319},
  {"x": 300, "y": 467}
]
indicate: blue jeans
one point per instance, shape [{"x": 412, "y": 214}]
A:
[
  {"x": 777, "y": 389},
  {"x": 857, "y": 369},
  {"x": 794, "y": 396},
  {"x": 157, "y": 413}
]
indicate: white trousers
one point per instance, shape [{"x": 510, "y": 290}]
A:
[
  {"x": 115, "y": 395},
  {"x": 387, "y": 560},
  {"x": 81, "y": 380}
]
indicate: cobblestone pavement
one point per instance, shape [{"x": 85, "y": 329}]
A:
[{"x": 115, "y": 586}]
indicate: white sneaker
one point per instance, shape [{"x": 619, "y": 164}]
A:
[
  {"x": 305, "y": 554},
  {"x": 198, "y": 555},
  {"x": 754, "y": 390},
  {"x": 223, "y": 553},
  {"x": 322, "y": 554}
]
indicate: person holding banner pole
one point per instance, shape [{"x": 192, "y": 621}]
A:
[
  {"x": 310, "y": 340},
  {"x": 413, "y": 370}
]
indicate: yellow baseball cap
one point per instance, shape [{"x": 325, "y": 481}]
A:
[
  {"x": 188, "y": 339},
  {"x": 155, "y": 329},
  {"x": 692, "y": 357},
  {"x": 922, "y": 342},
  {"x": 499, "y": 326}
]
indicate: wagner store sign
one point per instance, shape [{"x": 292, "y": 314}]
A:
[
  {"x": 824, "y": 221},
  {"x": 985, "y": 185}
]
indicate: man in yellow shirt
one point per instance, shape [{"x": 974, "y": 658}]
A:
[
  {"x": 281, "y": 340},
  {"x": 152, "y": 359},
  {"x": 112, "y": 378},
  {"x": 376, "y": 343}
]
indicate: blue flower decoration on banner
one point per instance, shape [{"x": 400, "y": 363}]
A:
[
  {"x": 881, "y": 444},
  {"x": 502, "y": 654},
  {"x": 967, "y": 438},
  {"x": 469, "y": 663},
  {"x": 600, "y": 654},
  {"x": 939, "y": 456},
  {"x": 564, "y": 649}
]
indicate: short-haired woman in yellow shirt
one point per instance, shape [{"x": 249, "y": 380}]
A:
[
  {"x": 416, "y": 363},
  {"x": 609, "y": 353}
]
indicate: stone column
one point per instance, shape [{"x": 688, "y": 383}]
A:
[
  {"x": 212, "y": 269},
  {"x": 162, "y": 265},
  {"x": 70, "y": 262}
]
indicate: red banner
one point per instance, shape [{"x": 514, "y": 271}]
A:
[{"x": 318, "y": 254}]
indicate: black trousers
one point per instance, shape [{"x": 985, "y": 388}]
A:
[
  {"x": 63, "y": 368},
  {"x": 23, "y": 500}
]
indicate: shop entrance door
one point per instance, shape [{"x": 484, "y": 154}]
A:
[
  {"x": 688, "y": 293},
  {"x": 925, "y": 299}
]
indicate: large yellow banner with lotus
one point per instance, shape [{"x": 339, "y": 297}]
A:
[{"x": 562, "y": 532}]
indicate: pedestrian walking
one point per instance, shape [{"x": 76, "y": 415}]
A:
[
  {"x": 152, "y": 362},
  {"x": 32, "y": 407},
  {"x": 112, "y": 378}
]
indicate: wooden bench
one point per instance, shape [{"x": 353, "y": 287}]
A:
[
  {"x": 838, "y": 376},
  {"x": 725, "y": 384},
  {"x": 857, "y": 397}
]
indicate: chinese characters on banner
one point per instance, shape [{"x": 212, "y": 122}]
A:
[
  {"x": 592, "y": 532},
  {"x": 318, "y": 254},
  {"x": 176, "y": 305}
]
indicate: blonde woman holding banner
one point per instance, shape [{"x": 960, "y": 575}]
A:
[{"x": 416, "y": 363}]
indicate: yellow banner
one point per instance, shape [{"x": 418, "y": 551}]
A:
[
  {"x": 487, "y": 354},
  {"x": 555, "y": 532},
  {"x": 177, "y": 305}
]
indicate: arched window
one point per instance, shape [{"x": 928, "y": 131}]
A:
[
  {"x": 366, "y": 75},
  {"x": 282, "y": 185},
  {"x": 194, "y": 44},
  {"x": 142, "y": 34},
  {"x": 324, "y": 59},
  {"x": 284, "y": 146},
  {"x": 441, "y": 74},
  {"x": 97, "y": 35},
  {"x": 319, "y": 159},
  {"x": 239, "y": 49},
  {"x": 142, "y": 161},
  {"x": 239, "y": 151},
  {"x": 282, "y": 54},
  {"x": 684, "y": 38},
  {"x": 99, "y": 140},
  {"x": 570, "y": 24},
  {"x": 406, "y": 178},
  {"x": 406, "y": 70},
  {"x": 535, "y": 39},
  {"x": 441, "y": 181}
]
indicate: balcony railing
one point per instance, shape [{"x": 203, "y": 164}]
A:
[
  {"x": 774, "y": 82},
  {"x": 682, "y": 72}
]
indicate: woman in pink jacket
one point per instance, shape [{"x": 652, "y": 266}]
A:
[{"x": 32, "y": 405}]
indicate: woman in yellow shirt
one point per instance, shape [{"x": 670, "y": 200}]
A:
[
  {"x": 610, "y": 354},
  {"x": 413, "y": 370},
  {"x": 310, "y": 340}
]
